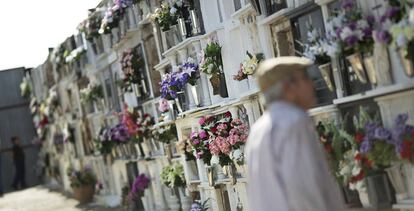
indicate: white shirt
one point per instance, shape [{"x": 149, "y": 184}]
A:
[{"x": 287, "y": 168}]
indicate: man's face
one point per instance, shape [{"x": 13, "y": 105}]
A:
[
  {"x": 301, "y": 90},
  {"x": 17, "y": 141}
]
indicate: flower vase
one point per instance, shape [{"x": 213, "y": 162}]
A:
[
  {"x": 106, "y": 41},
  {"x": 167, "y": 151},
  {"x": 178, "y": 103},
  {"x": 326, "y": 71},
  {"x": 379, "y": 190},
  {"x": 195, "y": 95},
  {"x": 171, "y": 37},
  {"x": 370, "y": 67},
  {"x": 363, "y": 197},
  {"x": 356, "y": 62},
  {"x": 195, "y": 23},
  {"x": 408, "y": 64},
  {"x": 210, "y": 175},
  {"x": 182, "y": 28},
  {"x": 408, "y": 170},
  {"x": 173, "y": 203},
  {"x": 215, "y": 83},
  {"x": 146, "y": 149},
  {"x": 84, "y": 194},
  {"x": 185, "y": 200},
  {"x": 397, "y": 180},
  {"x": 139, "y": 149},
  {"x": 171, "y": 112},
  {"x": 131, "y": 18},
  {"x": 231, "y": 173},
  {"x": 136, "y": 89},
  {"x": 115, "y": 35},
  {"x": 241, "y": 170},
  {"x": 219, "y": 170}
]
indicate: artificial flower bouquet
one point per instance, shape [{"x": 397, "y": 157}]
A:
[
  {"x": 211, "y": 63},
  {"x": 92, "y": 93},
  {"x": 138, "y": 125},
  {"x": 82, "y": 177},
  {"x": 248, "y": 66},
  {"x": 104, "y": 142},
  {"x": 139, "y": 185},
  {"x": 319, "y": 49},
  {"x": 220, "y": 137},
  {"x": 189, "y": 72},
  {"x": 173, "y": 176},
  {"x": 351, "y": 29},
  {"x": 165, "y": 16},
  {"x": 165, "y": 134},
  {"x": 131, "y": 64}
]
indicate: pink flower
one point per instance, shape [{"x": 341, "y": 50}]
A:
[
  {"x": 214, "y": 148},
  {"x": 202, "y": 121},
  {"x": 164, "y": 106},
  {"x": 203, "y": 134},
  {"x": 196, "y": 141}
]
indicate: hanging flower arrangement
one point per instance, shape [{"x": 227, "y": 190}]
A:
[
  {"x": 249, "y": 66},
  {"x": 165, "y": 16},
  {"x": 110, "y": 20},
  {"x": 173, "y": 176},
  {"x": 164, "y": 106},
  {"x": 165, "y": 134},
  {"x": 211, "y": 64},
  {"x": 92, "y": 93},
  {"x": 319, "y": 49},
  {"x": 138, "y": 125},
  {"x": 351, "y": 29},
  {"x": 131, "y": 64},
  {"x": 139, "y": 185},
  {"x": 104, "y": 142},
  {"x": 220, "y": 136},
  {"x": 91, "y": 25}
]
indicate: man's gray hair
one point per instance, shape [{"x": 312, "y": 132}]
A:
[{"x": 274, "y": 93}]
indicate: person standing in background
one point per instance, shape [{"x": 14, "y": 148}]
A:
[
  {"x": 19, "y": 164},
  {"x": 287, "y": 166}
]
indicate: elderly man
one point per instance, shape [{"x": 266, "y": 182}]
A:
[{"x": 287, "y": 166}]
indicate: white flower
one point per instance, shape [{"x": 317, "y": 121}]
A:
[
  {"x": 411, "y": 16},
  {"x": 356, "y": 170},
  {"x": 214, "y": 160},
  {"x": 362, "y": 24},
  {"x": 360, "y": 186},
  {"x": 173, "y": 10},
  {"x": 237, "y": 155},
  {"x": 402, "y": 40},
  {"x": 346, "y": 170}
]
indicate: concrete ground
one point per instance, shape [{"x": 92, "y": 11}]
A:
[{"x": 42, "y": 199}]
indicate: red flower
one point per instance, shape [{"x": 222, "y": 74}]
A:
[
  {"x": 406, "y": 152},
  {"x": 360, "y": 176},
  {"x": 328, "y": 148},
  {"x": 359, "y": 137},
  {"x": 211, "y": 118},
  {"x": 367, "y": 162},
  {"x": 214, "y": 129},
  {"x": 227, "y": 114},
  {"x": 358, "y": 157}
]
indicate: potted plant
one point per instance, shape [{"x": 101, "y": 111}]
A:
[
  {"x": 212, "y": 64},
  {"x": 353, "y": 33},
  {"x": 83, "y": 183},
  {"x": 166, "y": 19}
]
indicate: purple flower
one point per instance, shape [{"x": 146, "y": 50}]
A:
[
  {"x": 383, "y": 36},
  {"x": 196, "y": 141},
  {"x": 401, "y": 119},
  {"x": 392, "y": 12},
  {"x": 203, "y": 134},
  {"x": 353, "y": 25},
  {"x": 351, "y": 40},
  {"x": 367, "y": 33},
  {"x": 371, "y": 19},
  {"x": 382, "y": 134},
  {"x": 348, "y": 4},
  {"x": 141, "y": 182},
  {"x": 338, "y": 32},
  {"x": 366, "y": 146}
]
